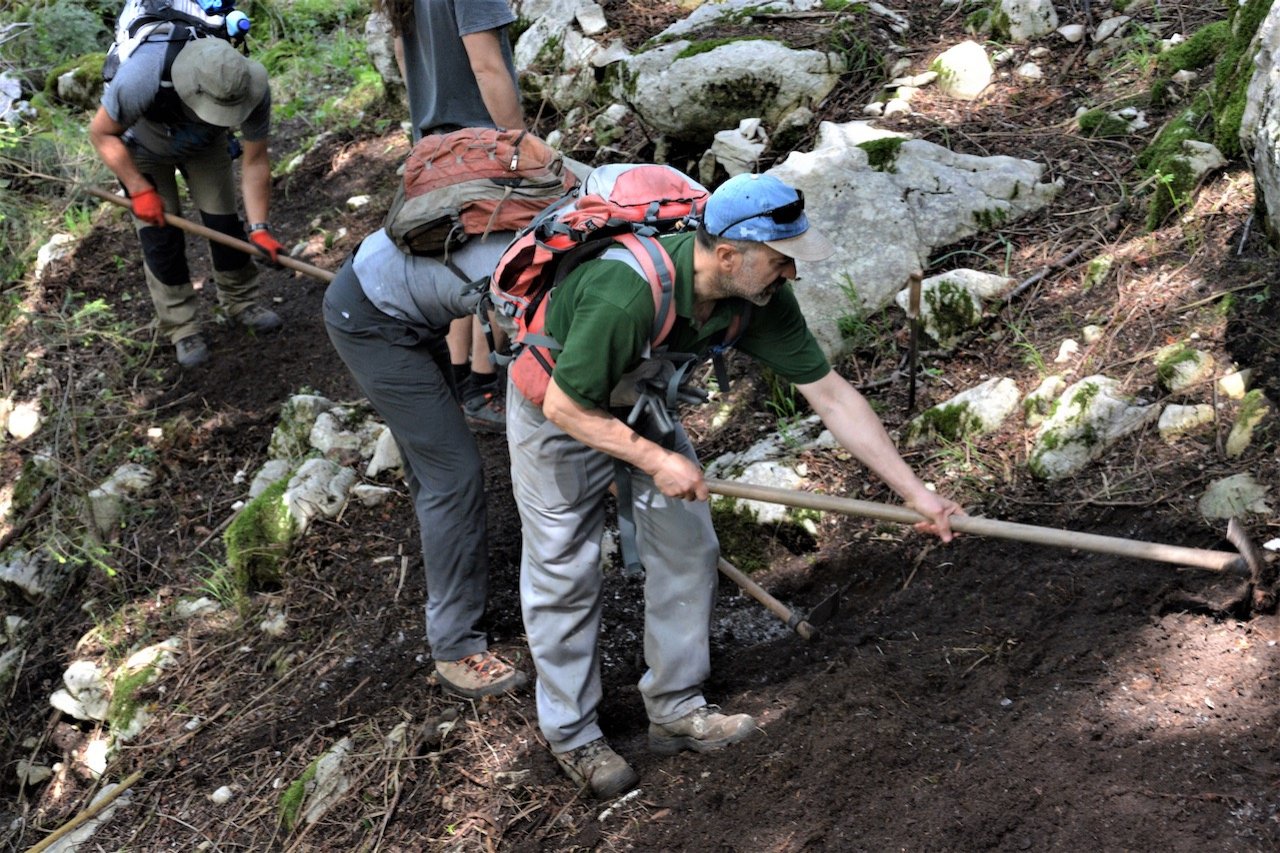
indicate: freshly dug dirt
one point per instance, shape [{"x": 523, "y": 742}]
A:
[{"x": 983, "y": 695}]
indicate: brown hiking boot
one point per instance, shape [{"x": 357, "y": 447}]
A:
[
  {"x": 481, "y": 674},
  {"x": 700, "y": 730},
  {"x": 598, "y": 768}
]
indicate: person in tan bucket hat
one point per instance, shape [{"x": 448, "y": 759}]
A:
[{"x": 172, "y": 108}]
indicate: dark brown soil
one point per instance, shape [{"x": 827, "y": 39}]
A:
[{"x": 986, "y": 695}]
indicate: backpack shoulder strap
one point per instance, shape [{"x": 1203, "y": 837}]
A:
[{"x": 660, "y": 271}]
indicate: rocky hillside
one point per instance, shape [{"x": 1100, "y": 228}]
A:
[{"x": 1098, "y": 352}]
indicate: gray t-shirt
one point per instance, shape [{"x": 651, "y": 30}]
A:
[
  {"x": 422, "y": 291},
  {"x": 443, "y": 92},
  {"x": 136, "y": 87}
]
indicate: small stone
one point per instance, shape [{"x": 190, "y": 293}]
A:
[{"x": 222, "y": 796}]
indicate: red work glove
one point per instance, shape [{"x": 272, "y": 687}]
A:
[
  {"x": 148, "y": 206},
  {"x": 269, "y": 245}
]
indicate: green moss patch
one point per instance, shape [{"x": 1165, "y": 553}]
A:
[
  {"x": 292, "y": 797},
  {"x": 1100, "y": 124},
  {"x": 951, "y": 421},
  {"x": 882, "y": 154},
  {"x": 259, "y": 538},
  {"x": 697, "y": 47},
  {"x": 951, "y": 309},
  {"x": 124, "y": 697}
]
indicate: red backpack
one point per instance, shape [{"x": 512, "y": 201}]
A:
[
  {"x": 618, "y": 204},
  {"x": 470, "y": 182}
]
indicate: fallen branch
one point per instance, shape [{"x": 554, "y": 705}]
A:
[{"x": 87, "y": 814}]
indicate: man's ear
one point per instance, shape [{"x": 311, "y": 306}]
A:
[{"x": 727, "y": 258}]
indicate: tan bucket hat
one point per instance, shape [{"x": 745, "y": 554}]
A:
[{"x": 221, "y": 85}]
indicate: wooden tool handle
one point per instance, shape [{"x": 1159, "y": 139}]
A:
[{"x": 1217, "y": 561}]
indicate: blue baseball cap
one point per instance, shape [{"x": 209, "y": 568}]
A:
[{"x": 762, "y": 209}]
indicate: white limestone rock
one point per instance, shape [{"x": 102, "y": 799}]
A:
[
  {"x": 951, "y": 303},
  {"x": 1236, "y": 384},
  {"x": 86, "y": 692},
  {"x": 1038, "y": 405},
  {"x": 1179, "y": 366},
  {"x": 1072, "y": 33},
  {"x": 272, "y": 471},
  {"x": 964, "y": 71},
  {"x": 106, "y": 504},
  {"x": 31, "y": 573},
  {"x": 343, "y": 430},
  {"x": 1090, "y": 416},
  {"x": 739, "y": 150},
  {"x": 1109, "y": 27},
  {"x": 975, "y": 411},
  {"x": 386, "y": 455},
  {"x": 290, "y": 439},
  {"x": 887, "y": 221},
  {"x": 1254, "y": 409},
  {"x": 330, "y": 783},
  {"x": 319, "y": 488},
  {"x": 737, "y": 80},
  {"x": 24, "y": 419},
  {"x": 1260, "y": 124},
  {"x": 591, "y": 19},
  {"x": 1029, "y": 19},
  {"x": 369, "y": 495},
  {"x": 1176, "y": 421},
  {"x": 1029, "y": 71},
  {"x": 59, "y": 246}
]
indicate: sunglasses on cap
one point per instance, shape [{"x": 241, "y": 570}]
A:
[{"x": 784, "y": 215}]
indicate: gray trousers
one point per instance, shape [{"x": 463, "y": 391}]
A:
[
  {"x": 560, "y": 487},
  {"x": 403, "y": 370},
  {"x": 208, "y": 176}
]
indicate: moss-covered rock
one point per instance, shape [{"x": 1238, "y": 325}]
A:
[
  {"x": 1232, "y": 74},
  {"x": 1254, "y": 409},
  {"x": 1101, "y": 124},
  {"x": 1179, "y": 366},
  {"x": 259, "y": 538}
]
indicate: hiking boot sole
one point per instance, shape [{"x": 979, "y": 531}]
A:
[
  {"x": 675, "y": 744},
  {"x": 516, "y": 681}
]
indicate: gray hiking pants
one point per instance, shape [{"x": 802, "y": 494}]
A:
[
  {"x": 404, "y": 371},
  {"x": 560, "y": 487},
  {"x": 208, "y": 177}
]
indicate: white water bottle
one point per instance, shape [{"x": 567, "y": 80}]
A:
[{"x": 237, "y": 23}]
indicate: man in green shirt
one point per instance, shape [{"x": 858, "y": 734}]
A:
[{"x": 563, "y": 456}]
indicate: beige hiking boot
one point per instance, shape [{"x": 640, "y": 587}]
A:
[
  {"x": 481, "y": 674},
  {"x": 598, "y": 768},
  {"x": 701, "y": 730}
]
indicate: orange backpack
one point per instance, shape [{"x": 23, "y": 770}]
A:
[
  {"x": 618, "y": 204},
  {"x": 471, "y": 182}
]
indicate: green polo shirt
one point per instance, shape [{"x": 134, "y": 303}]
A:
[{"x": 603, "y": 312}]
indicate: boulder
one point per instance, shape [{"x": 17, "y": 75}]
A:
[
  {"x": 951, "y": 303},
  {"x": 736, "y": 80},
  {"x": 1090, "y": 416},
  {"x": 974, "y": 411},
  {"x": 964, "y": 71},
  {"x": 1029, "y": 19},
  {"x": 1260, "y": 124},
  {"x": 887, "y": 201}
]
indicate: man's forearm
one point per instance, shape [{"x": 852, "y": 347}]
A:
[
  {"x": 600, "y": 430},
  {"x": 855, "y": 425},
  {"x": 255, "y": 181}
]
